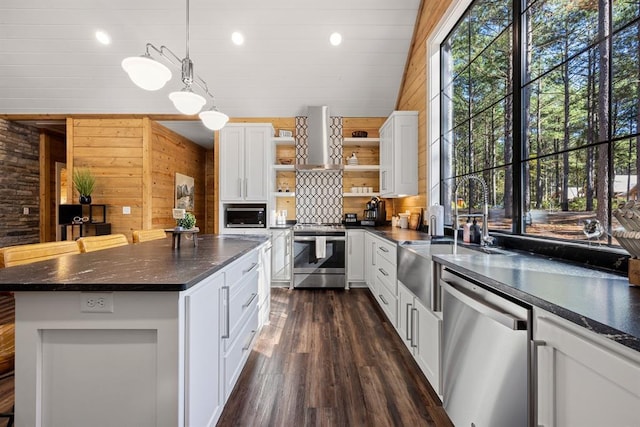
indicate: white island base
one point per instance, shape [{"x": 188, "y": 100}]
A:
[{"x": 152, "y": 359}]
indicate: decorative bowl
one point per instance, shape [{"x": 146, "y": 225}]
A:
[
  {"x": 359, "y": 134},
  {"x": 285, "y": 161}
]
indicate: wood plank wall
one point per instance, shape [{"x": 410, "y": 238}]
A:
[
  {"x": 170, "y": 154},
  {"x": 413, "y": 95},
  {"x": 135, "y": 161},
  {"x": 52, "y": 150}
]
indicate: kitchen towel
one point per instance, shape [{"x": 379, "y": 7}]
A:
[{"x": 321, "y": 247}]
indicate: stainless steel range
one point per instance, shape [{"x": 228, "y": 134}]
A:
[{"x": 319, "y": 256}]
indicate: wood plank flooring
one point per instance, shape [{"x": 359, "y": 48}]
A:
[{"x": 330, "y": 358}]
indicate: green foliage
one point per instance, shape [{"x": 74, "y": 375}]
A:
[
  {"x": 188, "y": 222},
  {"x": 84, "y": 181}
]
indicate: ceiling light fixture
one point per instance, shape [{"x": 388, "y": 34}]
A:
[
  {"x": 103, "y": 37},
  {"x": 237, "y": 38},
  {"x": 335, "y": 39},
  {"x": 149, "y": 74}
]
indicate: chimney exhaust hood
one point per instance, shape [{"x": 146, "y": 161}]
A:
[{"x": 318, "y": 142}]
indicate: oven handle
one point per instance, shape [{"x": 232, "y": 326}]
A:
[{"x": 313, "y": 239}]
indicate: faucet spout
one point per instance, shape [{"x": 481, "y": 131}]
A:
[{"x": 486, "y": 239}]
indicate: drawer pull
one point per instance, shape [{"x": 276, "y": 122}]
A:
[
  {"x": 383, "y": 249},
  {"x": 248, "y": 303},
  {"x": 383, "y": 300},
  {"x": 227, "y": 315},
  {"x": 248, "y": 346},
  {"x": 254, "y": 265},
  {"x": 384, "y": 273}
]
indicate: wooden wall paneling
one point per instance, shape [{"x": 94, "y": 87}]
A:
[
  {"x": 171, "y": 153},
  {"x": 369, "y": 124},
  {"x": 113, "y": 150},
  {"x": 210, "y": 180},
  {"x": 70, "y": 162},
  {"x": 216, "y": 188},
  {"x": 45, "y": 189},
  {"x": 147, "y": 175}
]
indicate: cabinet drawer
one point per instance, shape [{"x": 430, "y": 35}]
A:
[
  {"x": 387, "y": 274},
  {"x": 388, "y": 302},
  {"x": 241, "y": 267},
  {"x": 237, "y": 354},
  {"x": 386, "y": 250},
  {"x": 242, "y": 300}
]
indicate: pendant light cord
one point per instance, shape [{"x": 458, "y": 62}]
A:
[{"x": 187, "y": 29}]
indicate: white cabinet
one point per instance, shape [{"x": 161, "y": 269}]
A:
[
  {"x": 421, "y": 331},
  {"x": 244, "y": 162},
  {"x": 369, "y": 260},
  {"x": 399, "y": 155},
  {"x": 264, "y": 284},
  {"x": 281, "y": 264},
  {"x": 385, "y": 278},
  {"x": 583, "y": 379},
  {"x": 355, "y": 256}
]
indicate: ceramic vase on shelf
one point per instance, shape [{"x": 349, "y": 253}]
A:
[{"x": 85, "y": 200}]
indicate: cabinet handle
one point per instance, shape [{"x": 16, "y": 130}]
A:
[
  {"x": 383, "y": 249},
  {"x": 248, "y": 345},
  {"x": 383, "y": 300},
  {"x": 246, "y": 186},
  {"x": 409, "y": 337},
  {"x": 373, "y": 253},
  {"x": 413, "y": 328},
  {"x": 248, "y": 303},
  {"x": 287, "y": 242},
  {"x": 349, "y": 244},
  {"x": 384, "y": 273},
  {"x": 535, "y": 344},
  {"x": 250, "y": 268},
  {"x": 240, "y": 187},
  {"x": 227, "y": 319}
]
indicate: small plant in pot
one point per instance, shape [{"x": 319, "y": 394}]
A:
[
  {"x": 84, "y": 182},
  {"x": 187, "y": 222}
]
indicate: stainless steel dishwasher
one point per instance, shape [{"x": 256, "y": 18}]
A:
[{"x": 485, "y": 355}]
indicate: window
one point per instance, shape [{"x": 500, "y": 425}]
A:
[{"x": 550, "y": 123}]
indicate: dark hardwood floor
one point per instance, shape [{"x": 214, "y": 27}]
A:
[{"x": 330, "y": 358}]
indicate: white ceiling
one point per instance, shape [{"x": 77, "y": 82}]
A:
[{"x": 50, "y": 61}]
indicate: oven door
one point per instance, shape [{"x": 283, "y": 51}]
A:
[{"x": 309, "y": 271}]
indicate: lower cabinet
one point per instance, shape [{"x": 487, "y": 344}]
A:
[
  {"x": 369, "y": 260},
  {"x": 421, "y": 331},
  {"x": 355, "y": 256},
  {"x": 582, "y": 378},
  {"x": 281, "y": 259}
]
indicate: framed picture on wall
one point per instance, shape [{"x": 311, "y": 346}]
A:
[{"x": 184, "y": 192}]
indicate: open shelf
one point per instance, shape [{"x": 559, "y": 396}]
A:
[
  {"x": 361, "y": 168},
  {"x": 284, "y": 194},
  {"x": 367, "y": 195},
  {"x": 290, "y": 168},
  {"x": 284, "y": 140},
  {"x": 363, "y": 142}
]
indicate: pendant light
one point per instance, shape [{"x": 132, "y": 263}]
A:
[{"x": 149, "y": 74}]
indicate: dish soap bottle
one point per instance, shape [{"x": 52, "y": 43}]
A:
[
  {"x": 466, "y": 232},
  {"x": 475, "y": 232}
]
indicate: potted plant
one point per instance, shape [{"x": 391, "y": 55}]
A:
[
  {"x": 84, "y": 182},
  {"x": 187, "y": 222}
]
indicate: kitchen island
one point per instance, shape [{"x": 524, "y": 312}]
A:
[{"x": 141, "y": 335}]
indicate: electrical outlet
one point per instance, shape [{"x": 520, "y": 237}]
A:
[
  {"x": 126, "y": 210},
  {"x": 25, "y": 211},
  {"x": 96, "y": 302}
]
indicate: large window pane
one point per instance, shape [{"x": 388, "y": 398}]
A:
[
  {"x": 490, "y": 74},
  {"x": 626, "y": 81},
  {"x": 624, "y": 11},
  {"x": 487, "y": 19}
]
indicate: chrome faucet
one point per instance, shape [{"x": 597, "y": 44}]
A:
[{"x": 486, "y": 239}]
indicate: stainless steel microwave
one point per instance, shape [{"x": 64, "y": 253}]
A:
[{"x": 245, "y": 216}]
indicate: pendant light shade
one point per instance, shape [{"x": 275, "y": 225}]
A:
[
  {"x": 146, "y": 72},
  {"x": 186, "y": 101},
  {"x": 213, "y": 119}
]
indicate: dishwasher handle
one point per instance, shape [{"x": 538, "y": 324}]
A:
[{"x": 482, "y": 307}]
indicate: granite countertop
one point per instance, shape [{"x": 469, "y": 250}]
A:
[
  {"x": 599, "y": 301},
  {"x": 148, "y": 266}
]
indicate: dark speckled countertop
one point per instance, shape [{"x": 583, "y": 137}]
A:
[
  {"x": 149, "y": 266},
  {"x": 599, "y": 301}
]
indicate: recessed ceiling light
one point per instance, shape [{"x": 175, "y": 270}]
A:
[
  {"x": 237, "y": 38},
  {"x": 335, "y": 39},
  {"x": 103, "y": 37}
]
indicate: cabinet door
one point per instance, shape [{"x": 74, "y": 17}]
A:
[
  {"x": 355, "y": 257},
  {"x": 369, "y": 253},
  {"x": 281, "y": 258},
  {"x": 406, "y": 329},
  {"x": 405, "y": 149},
  {"x": 386, "y": 159},
  {"x": 256, "y": 161},
  {"x": 582, "y": 379},
  {"x": 427, "y": 338},
  {"x": 203, "y": 386},
  {"x": 231, "y": 163}
]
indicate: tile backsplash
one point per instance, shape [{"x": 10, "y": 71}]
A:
[{"x": 319, "y": 194}]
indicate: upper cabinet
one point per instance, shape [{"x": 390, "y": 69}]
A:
[
  {"x": 244, "y": 162},
  {"x": 399, "y": 155}
]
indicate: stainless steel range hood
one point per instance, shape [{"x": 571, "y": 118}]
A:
[{"x": 318, "y": 142}]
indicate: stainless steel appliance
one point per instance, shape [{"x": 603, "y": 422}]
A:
[
  {"x": 245, "y": 216},
  {"x": 319, "y": 256},
  {"x": 375, "y": 213},
  {"x": 485, "y": 355}
]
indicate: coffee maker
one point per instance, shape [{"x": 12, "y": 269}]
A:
[{"x": 375, "y": 213}]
